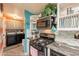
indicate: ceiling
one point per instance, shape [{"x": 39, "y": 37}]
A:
[
  {"x": 33, "y": 7},
  {"x": 67, "y": 5},
  {"x": 19, "y": 8}
]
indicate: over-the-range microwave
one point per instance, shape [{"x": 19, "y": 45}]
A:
[{"x": 45, "y": 23}]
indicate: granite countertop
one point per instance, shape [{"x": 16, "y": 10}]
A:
[
  {"x": 20, "y": 32},
  {"x": 64, "y": 48},
  {"x": 9, "y": 33}
]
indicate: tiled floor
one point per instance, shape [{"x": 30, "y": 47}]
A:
[{"x": 16, "y": 50}]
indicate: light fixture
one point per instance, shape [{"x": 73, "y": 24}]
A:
[{"x": 13, "y": 16}]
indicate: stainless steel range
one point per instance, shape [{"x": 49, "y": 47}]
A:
[{"x": 41, "y": 43}]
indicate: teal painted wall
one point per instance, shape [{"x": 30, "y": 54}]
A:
[{"x": 27, "y": 29}]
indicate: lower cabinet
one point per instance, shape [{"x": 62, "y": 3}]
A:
[
  {"x": 55, "y": 53},
  {"x": 19, "y": 38},
  {"x": 13, "y": 39}
]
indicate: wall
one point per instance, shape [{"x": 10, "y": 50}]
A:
[
  {"x": 13, "y": 9},
  {"x": 19, "y": 8},
  {"x": 63, "y": 8},
  {"x": 67, "y": 37}
]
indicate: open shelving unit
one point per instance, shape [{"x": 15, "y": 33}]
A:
[{"x": 69, "y": 22}]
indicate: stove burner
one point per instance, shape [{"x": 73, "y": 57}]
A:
[{"x": 42, "y": 42}]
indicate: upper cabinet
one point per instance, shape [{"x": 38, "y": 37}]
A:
[
  {"x": 68, "y": 17},
  {"x": 14, "y": 24},
  {"x": 10, "y": 24},
  {"x": 19, "y": 24}
]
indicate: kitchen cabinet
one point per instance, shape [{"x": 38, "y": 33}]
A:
[
  {"x": 68, "y": 18},
  {"x": 14, "y": 24},
  {"x": 11, "y": 39},
  {"x": 17, "y": 24},
  {"x": 55, "y": 53},
  {"x": 69, "y": 22},
  {"x": 10, "y": 24},
  {"x": 19, "y": 37},
  {"x": 21, "y": 24},
  {"x": 14, "y": 38},
  {"x": 14, "y": 31}
]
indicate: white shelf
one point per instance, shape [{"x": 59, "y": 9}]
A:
[
  {"x": 69, "y": 15},
  {"x": 69, "y": 22}
]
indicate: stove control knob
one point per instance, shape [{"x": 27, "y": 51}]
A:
[{"x": 43, "y": 44}]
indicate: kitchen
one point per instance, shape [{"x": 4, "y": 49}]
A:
[
  {"x": 12, "y": 25},
  {"x": 55, "y": 37},
  {"x": 39, "y": 29}
]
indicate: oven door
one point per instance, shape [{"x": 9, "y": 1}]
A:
[
  {"x": 42, "y": 52},
  {"x": 33, "y": 51}
]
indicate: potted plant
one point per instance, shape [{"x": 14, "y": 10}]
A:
[{"x": 50, "y": 9}]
